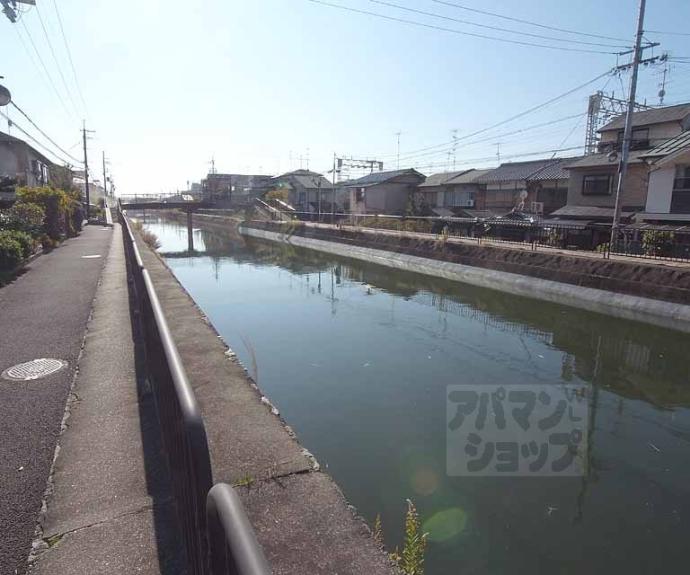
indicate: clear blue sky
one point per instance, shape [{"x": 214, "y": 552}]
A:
[{"x": 259, "y": 83}]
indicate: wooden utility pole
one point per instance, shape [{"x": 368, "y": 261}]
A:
[{"x": 627, "y": 133}]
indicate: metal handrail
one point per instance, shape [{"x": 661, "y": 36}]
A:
[
  {"x": 186, "y": 444},
  {"x": 234, "y": 549},
  {"x": 182, "y": 427}
]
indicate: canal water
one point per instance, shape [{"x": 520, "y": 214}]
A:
[{"x": 358, "y": 358}]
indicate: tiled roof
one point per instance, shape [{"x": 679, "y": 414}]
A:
[
  {"x": 586, "y": 212},
  {"x": 312, "y": 182},
  {"x": 677, "y": 144},
  {"x": 515, "y": 171},
  {"x": 469, "y": 176},
  {"x": 600, "y": 160},
  {"x": 381, "y": 177},
  {"x": 554, "y": 171},
  {"x": 305, "y": 178},
  {"x": 442, "y": 178},
  {"x": 653, "y": 116}
]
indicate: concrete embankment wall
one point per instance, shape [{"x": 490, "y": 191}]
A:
[
  {"x": 654, "y": 294},
  {"x": 300, "y": 516}
]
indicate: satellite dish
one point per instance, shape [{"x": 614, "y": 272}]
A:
[
  {"x": 612, "y": 156},
  {"x": 5, "y": 96}
]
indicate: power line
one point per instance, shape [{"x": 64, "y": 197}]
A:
[
  {"x": 668, "y": 33},
  {"x": 30, "y": 56},
  {"x": 517, "y": 116},
  {"x": 57, "y": 64},
  {"x": 494, "y": 136},
  {"x": 498, "y": 28},
  {"x": 34, "y": 140},
  {"x": 46, "y": 136},
  {"x": 528, "y": 22},
  {"x": 45, "y": 69},
  {"x": 509, "y": 157},
  {"x": 454, "y": 31},
  {"x": 69, "y": 55}
]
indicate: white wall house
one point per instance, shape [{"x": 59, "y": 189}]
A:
[{"x": 668, "y": 194}]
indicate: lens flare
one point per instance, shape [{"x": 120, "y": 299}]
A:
[{"x": 445, "y": 524}]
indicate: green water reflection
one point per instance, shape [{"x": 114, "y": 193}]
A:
[{"x": 357, "y": 357}]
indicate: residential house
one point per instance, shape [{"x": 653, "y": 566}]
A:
[
  {"x": 594, "y": 178},
  {"x": 451, "y": 193},
  {"x": 668, "y": 193},
  {"x": 535, "y": 186},
  {"x": 383, "y": 192},
  {"x": 22, "y": 163},
  {"x": 234, "y": 190},
  {"x": 307, "y": 191}
]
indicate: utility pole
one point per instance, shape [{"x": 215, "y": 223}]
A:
[
  {"x": 627, "y": 133},
  {"x": 398, "y": 134},
  {"x": 105, "y": 178},
  {"x": 333, "y": 204},
  {"x": 86, "y": 173},
  {"x": 662, "y": 88}
]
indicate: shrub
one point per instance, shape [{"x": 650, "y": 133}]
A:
[
  {"x": 281, "y": 194},
  {"x": 150, "y": 239},
  {"x": 11, "y": 253},
  {"x": 657, "y": 243},
  {"x": 27, "y": 243},
  {"x": 23, "y": 217},
  {"x": 55, "y": 203}
]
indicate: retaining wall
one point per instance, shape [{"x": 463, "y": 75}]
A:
[{"x": 651, "y": 293}]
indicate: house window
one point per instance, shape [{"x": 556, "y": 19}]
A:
[
  {"x": 596, "y": 185},
  {"x": 682, "y": 181},
  {"x": 359, "y": 195},
  {"x": 639, "y": 139}
]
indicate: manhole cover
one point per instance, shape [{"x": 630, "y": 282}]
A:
[{"x": 33, "y": 369}]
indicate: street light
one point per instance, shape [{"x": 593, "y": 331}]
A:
[{"x": 5, "y": 96}]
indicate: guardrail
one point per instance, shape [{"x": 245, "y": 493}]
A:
[
  {"x": 184, "y": 434},
  {"x": 233, "y": 546}
]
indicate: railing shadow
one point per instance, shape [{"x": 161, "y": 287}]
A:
[
  {"x": 172, "y": 559},
  {"x": 183, "y": 438}
]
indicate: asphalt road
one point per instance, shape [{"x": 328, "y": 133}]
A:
[{"x": 43, "y": 314}]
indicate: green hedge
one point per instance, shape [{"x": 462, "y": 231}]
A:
[
  {"x": 23, "y": 217},
  {"x": 54, "y": 202},
  {"x": 11, "y": 249}
]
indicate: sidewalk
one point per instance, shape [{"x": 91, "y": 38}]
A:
[
  {"x": 111, "y": 508},
  {"x": 43, "y": 314}
]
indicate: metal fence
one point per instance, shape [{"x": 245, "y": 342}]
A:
[
  {"x": 233, "y": 546},
  {"x": 182, "y": 427},
  {"x": 646, "y": 241}
]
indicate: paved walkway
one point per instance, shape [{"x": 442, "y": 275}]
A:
[
  {"x": 111, "y": 509},
  {"x": 42, "y": 314}
]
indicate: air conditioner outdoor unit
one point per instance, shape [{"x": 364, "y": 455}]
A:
[
  {"x": 469, "y": 203},
  {"x": 537, "y": 207}
]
